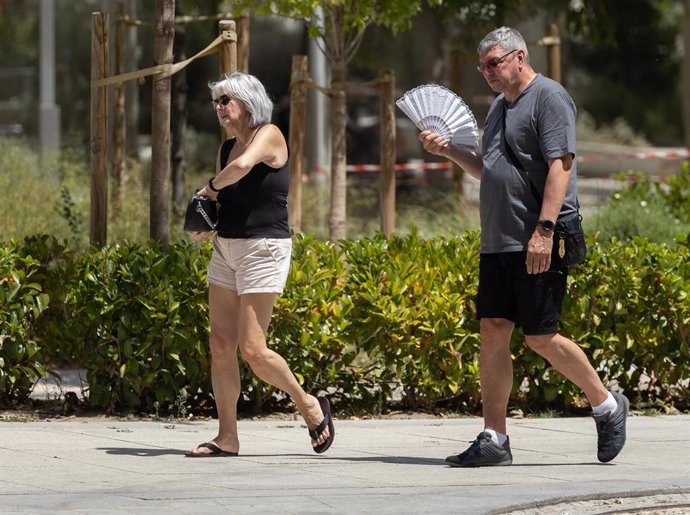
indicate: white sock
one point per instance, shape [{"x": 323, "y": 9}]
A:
[
  {"x": 608, "y": 406},
  {"x": 496, "y": 437}
]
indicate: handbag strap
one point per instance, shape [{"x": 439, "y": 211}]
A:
[{"x": 202, "y": 212}]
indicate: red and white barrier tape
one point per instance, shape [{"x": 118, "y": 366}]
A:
[
  {"x": 679, "y": 153},
  {"x": 676, "y": 153}
]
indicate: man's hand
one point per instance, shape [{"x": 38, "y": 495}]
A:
[
  {"x": 539, "y": 251},
  {"x": 200, "y": 236},
  {"x": 433, "y": 143}
]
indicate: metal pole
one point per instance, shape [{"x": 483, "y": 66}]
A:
[{"x": 49, "y": 131}]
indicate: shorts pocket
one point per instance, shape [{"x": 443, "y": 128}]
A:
[{"x": 279, "y": 249}]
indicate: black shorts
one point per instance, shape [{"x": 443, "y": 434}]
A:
[{"x": 531, "y": 301}]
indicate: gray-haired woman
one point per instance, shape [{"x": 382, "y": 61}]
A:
[{"x": 250, "y": 261}]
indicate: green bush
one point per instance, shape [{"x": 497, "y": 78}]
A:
[
  {"x": 142, "y": 317},
  {"x": 375, "y": 322},
  {"x": 657, "y": 210},
  {"x": 22, "y": 301},
  {"x": 414, "y": 306}
]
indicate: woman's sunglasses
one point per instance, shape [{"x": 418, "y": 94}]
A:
[{"x": 223, "y": 100}]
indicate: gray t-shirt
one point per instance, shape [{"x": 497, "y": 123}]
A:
[{"x": 539, "y": 125}]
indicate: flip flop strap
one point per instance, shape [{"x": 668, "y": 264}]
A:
[
  {"x": 315, "y": 433},
  {"x": 212, "y": 447}
]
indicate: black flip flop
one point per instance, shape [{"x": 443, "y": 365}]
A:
[
  {"x": 326, "y": 422},
  {"x": 215, "y": 451}
]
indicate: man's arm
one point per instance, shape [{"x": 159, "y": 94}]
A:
[
  {"x": 540, "y": 244},
  {"x": 467, "y": 159}
]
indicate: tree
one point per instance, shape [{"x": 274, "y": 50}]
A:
[
  {"x": 340, "y": 25},
  {"x": 160, "y": 122},
  {"x": 686, "y": 73}
]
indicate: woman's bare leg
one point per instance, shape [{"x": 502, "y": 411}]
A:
[
  {"x": 224, "y": 305},
  {"x": 254, "y": 317}
]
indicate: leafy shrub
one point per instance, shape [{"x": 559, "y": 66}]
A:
[
  {"x": 643, "y": 207},
  {"x": 376, "y": 322},
  {"x": 413, "y": 306},
  {"x": 21, "y": 303},
  {"x": 142, "y": 316}
]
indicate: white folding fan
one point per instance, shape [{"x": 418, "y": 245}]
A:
[{"x": 434, "y": 108}]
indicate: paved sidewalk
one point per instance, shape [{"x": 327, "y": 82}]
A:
[{"x": 374, "y": 466}]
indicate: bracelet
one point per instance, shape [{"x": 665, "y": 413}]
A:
[{"x": 210, "y": 185}]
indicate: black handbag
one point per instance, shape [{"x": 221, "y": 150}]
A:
[
  {"x": 201, "y": 215},
  {"x": 572, "y": 248}
]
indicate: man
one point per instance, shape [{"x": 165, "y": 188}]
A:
[{"x": 528, "y": 182}]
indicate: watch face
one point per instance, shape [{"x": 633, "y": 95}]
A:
[{"x": 547, "y": 225}]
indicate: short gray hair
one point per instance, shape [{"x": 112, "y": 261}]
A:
[
  {"x": 505, "y": 37},
  {"x": 250, "y": 91}
]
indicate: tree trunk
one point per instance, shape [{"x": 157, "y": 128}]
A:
[
  {"x": 179, "y": 121},
  {"x": 160, "y": 124},
  {"x": 131, "y": 87},
  {"x": 338, "y": 214},
  {"x": 120, "y": 128},
  {"x": 686, "y": 74}
]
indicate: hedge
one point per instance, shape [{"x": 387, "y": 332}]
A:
[{"x": 375, "y": 322}]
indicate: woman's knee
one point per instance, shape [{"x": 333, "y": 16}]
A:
[
  {"x": 255, "y": 356},
  {"x": 221, "y": 345}
]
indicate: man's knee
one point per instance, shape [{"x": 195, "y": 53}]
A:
[
  {"x": 495, "y": 328},
  {"x": 542, "y": 344}
]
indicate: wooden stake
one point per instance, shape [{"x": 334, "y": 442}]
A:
[
  {"x": 554, "y": 50},
  {"x": 227, "y": 57},
  {"x": 99, "y": 131}
]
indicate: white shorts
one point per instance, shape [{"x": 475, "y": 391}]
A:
[{"x": 250, "y": 265}]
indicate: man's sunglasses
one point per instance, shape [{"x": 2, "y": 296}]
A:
[
  {"x": 223, "y": 100},
  {"x": 492, "y": 64}
]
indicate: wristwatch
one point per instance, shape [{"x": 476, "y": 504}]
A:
[{"x": 546, "y": 225}]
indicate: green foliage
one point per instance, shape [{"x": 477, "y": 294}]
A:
[
  {"x": 52, "y": 195},
  {"x": 142, "y": 317},
  {"x": 22, "y": 300},
  {"x": 631, "y": 310},
  {"x": 376, "y": 322},
  {"x": 644, "y": 207},
  {"x": 356, "y": 15},
  {"x": 413, "y": 304}
]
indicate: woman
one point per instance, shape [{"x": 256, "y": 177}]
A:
[{"x": 250, "y": 261}]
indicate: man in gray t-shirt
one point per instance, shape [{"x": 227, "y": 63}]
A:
[{"x": 528, "y": 174}]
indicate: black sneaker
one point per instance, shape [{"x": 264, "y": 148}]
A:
[
  {"x": 483, "y": 453},
  {"x": 611, "y": 429}
]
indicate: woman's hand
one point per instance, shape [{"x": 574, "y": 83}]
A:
[
  {"x": 200, "y": 236},
  {"x": 207, "y": 192}
]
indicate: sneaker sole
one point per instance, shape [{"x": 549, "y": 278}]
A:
[{"x": 477, "y": 465}]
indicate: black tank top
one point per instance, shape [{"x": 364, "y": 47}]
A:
[{"x": 256, "y": 205}]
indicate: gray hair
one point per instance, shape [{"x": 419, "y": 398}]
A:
[
  {"x": 505, "y": 37},
  {"x": 249, "y": 90}
]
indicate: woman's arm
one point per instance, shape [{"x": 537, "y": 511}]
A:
[{"x": 268, "y": 146}]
